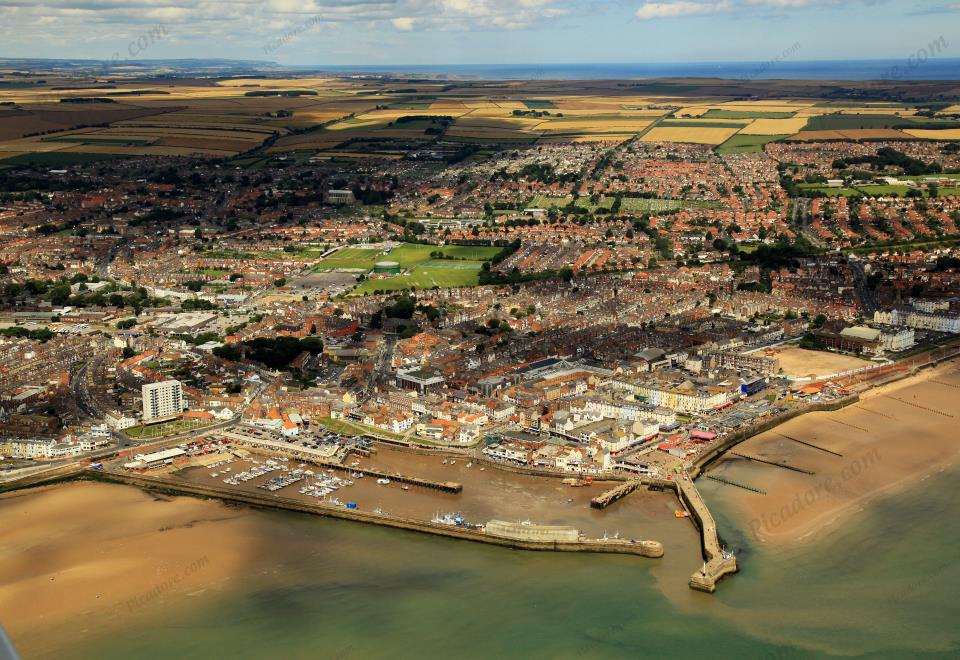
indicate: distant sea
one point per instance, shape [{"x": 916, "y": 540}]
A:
[{"x": 932, "y": 69}]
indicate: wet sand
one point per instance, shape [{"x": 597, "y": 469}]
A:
[
  {"x": 488, "y": 494},
  {"x": 109, "y": 556},
  {"x": 896, "y": 436}
]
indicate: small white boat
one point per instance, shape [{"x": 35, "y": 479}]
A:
[
  {"x": 383, "y": 482},
  {"x": 470, "y": 464}
]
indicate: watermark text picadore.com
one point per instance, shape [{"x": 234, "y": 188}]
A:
[
  {"x": 916, "y": 60},
  {"x": 138, "y": 46},
  {"x": 144, "y": 599},
  {"x": 771, "y": 520}
]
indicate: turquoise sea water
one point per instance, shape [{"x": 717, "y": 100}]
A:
[{"x": 881, "y": 585}]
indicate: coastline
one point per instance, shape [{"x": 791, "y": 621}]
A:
[{"x": 883, "y": 452}]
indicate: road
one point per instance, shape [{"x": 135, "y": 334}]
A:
[{"x": 868, "y": 298}]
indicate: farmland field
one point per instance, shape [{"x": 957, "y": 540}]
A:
[
  {"x": 775, "y": 126},
  {"x": 745, "y": 114},
  {"x": 695, "y": 135},
  {"x": 741, "y": 143}
]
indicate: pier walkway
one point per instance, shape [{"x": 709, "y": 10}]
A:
[{"x": 717, "y": 565}]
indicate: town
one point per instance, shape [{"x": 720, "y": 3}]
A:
[{"x": 342, "y": 333}]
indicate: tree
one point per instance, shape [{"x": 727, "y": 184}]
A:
[
  {"x": 279, "y": 282},
  {"x": 60, "y": 294}
]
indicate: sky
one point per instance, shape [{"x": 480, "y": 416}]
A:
[{"x": 378, "y": 32}]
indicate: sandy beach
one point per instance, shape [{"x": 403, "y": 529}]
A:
[
  {"x": 110, "y": 553},
  {"x": 895, "y": 437}
]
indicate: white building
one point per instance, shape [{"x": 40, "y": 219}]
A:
[
  {"x": 162, "y": 400},
  {"x": 937, "y": 321},
  {"x": 897, "y": 339}
]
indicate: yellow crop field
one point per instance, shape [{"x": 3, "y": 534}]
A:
[
  {"x": 594, "y": 126},
  {"x": 927, "y": 134},
  {"x": 692, "y": 134},
  {"x": 145, "y": 150},
  {"x": 607, "y": 137},
  {"x": 775, "y": 126}
]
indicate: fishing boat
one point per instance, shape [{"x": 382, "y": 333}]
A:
[
  {"x": 470, "y": 464},
  {"x": 404, "y": 487},
  {"x": 383, "y": 482}
]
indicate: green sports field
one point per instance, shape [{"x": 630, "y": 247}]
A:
[
  {"x": 433, "y": 273},
  {"x": 408, "y": 255}
]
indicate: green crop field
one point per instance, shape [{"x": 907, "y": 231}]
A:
[
  {"x": 58, "y": 158},
  {"x": 739, "y": 144},
  {"x": 745, "y": 114},
  {"x": 538, "y": 104},
  {"x": 839, "y": 122}
]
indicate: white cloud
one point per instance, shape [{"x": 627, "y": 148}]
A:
[
  {"x": 403, "y": 23},
  {"x": 652, "y": 10}
]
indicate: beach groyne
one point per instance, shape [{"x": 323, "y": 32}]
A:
[{"x": 734, "y": 439}]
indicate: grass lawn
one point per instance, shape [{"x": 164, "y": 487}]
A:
[
  {"x": 343, "y": 427},
  {"x": 358, "y": 258},
  {"x": 900, "y": 191},
  {"x": 547, "y": 202},
  {"x": 747, "y": 114},
  {"x": 213, "y": 272},
  {"x": 831, "y": 192},
  {"x": 434, "y": 273},
  {"x": 164, "y": 429},
  {"x": 641, "y": 205},
  {"x": 739, "y": 144},
  {"x": 408, "y": 255}
]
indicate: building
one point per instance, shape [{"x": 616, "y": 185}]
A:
[
  {"x": 339, "y": 197},
  {"x": 938, "y": 321},
  {"x": 420, "y": 380},
  {"x": 162, "y": 400}
]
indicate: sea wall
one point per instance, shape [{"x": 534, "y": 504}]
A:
[{"x": 732, "y": 440}]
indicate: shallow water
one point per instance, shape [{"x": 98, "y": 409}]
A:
[{"x": 881, "y": 584}]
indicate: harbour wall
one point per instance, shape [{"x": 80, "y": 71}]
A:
[{"x": 618, "y": 546}]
